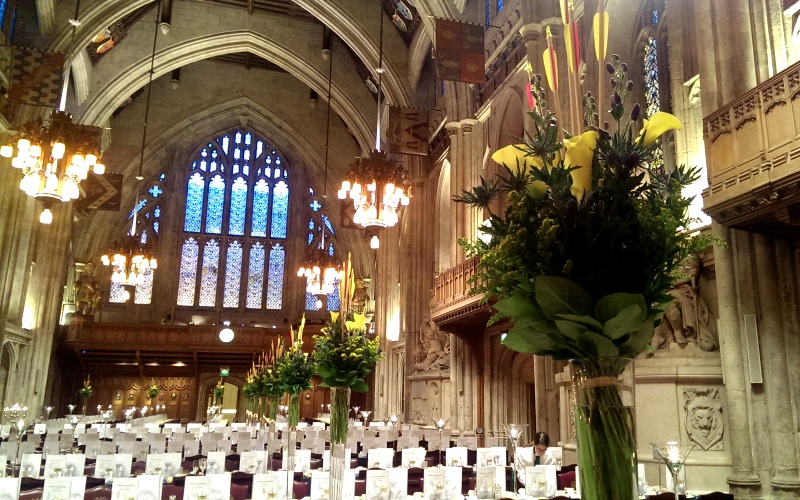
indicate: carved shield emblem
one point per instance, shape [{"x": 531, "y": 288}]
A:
[{"x": 704, "y": 422}]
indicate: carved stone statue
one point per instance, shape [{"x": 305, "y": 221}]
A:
[
  {"x": 88, "y": 292},
  {"x": 687, "y": 319},
  {"x": 433, "y": 348},
  {"x": 704, "y": 423}
]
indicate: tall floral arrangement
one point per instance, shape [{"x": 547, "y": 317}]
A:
[
  {"x": 85, "y": 392},
  {"x": 153, "y": 390},
  {"x": 219, "y": 392},
  {"x": 580, "y": 256},
  {"x": 263, "y": 383},
  {"x": 295, "y": 369}
]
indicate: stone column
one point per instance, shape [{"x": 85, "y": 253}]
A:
[
  {"x": 465, "y": 163},
  {"x": 775, "y": 368},
  {"x": 731, "y": 349}
]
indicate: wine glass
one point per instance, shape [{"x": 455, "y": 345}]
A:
[
  {"x": 202, "y": 463},
  {"x": 365, "y": 415},
  {"x": 673, "y": 455},
  {"x": 195, "y": 466}
]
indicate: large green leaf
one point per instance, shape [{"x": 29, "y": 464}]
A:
[
  {"x": 611, "y": 305},
  {"x": 587, "y": 321},
  {"x": 637, "y": 342},
  {"x": 359, "y": 386},
  {"x": 517, "y": 306},
  {"x": 525, "y": 338},
  {"x": 596, "y": 345},
  {"x": 556, "y": 295},
  {"x": 629, "y": 320},
  {"x": 570, "y": 329}
]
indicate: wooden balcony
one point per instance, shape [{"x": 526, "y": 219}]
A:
[
  {"x": 454, "y": 304},
  {"x": 753, "y": 153}
]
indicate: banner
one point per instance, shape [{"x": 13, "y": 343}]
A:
[
  {"x": 36, "y": 77},
  {"x": 408, "y": 130},
  {"x": 460, "y": 51},
  {"x": 103, "y": 192}
]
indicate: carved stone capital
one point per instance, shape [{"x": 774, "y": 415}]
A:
[
  {"x": 467, "y": 125},
  {"x": 532, "y": 32}
]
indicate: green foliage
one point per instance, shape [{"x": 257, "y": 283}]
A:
[
  {"x": 294, "y": 370},
  {"x": 345, "y": 356}
]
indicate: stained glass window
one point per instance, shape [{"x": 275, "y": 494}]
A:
[
  {"x": 224, "y": 194},
  {"x": 188, "y": 273},
  {"x": 238, "y": 207},
  {"x": 311, "y": 302},
  {"x": 233, "y": 275},
  {"x": 654, "y": 16},
  {"x": 155, "y": 191},
  {"x": 116, "y": 293},
  {"x": 277, "y": 257},
  {"x": 333, "y": 297},
  {"x": 255, "y": 276},
  {"x": 144, "y": 290},
  {"x": 3, "y": 5},
  {"x": 488, "y": 12},
  {"x": 280, "y": 210},
  {"x": 500, "y": 5},
  {"x": 208, "y": 278},
  {"x": 652, "y": 94}
]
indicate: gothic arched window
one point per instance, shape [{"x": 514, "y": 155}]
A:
[
  {"x": 236, "y": 216},
  {"x": 652, "y": 36},
  {"x": 320, "y": 232}
]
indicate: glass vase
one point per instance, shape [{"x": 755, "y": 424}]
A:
[
  {"x": 274, "y": 401},
  {"x": 605, "y": 427},
  {"x": 340, "y": 418},
  {"x": 292, "y": 417}
]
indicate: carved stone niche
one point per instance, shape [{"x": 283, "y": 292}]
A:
[{"x": 703, "y": 417}]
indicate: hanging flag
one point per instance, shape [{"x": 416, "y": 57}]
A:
[
  {"x": 408, "y": 130},
  {"x": 103, "y": 192},
  {"x": 35, "y": 76},
  {"x": 460, "y": 51}
]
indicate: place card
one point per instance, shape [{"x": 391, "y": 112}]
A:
[
  {"x": 196, "y": 488},
  {"x": 8, "y": 449},
  {"x": 39, "y": 428},
  {"x": 57, "y": 489},
  {"x": 302, "y": 460},
  {"x": 398, "y": 483},
  {"x": 108, "y": 448},
  {"x": 524, "y": 457},
  {"x": 191, "y": 448},
  {"x": 244, "y": 444},
  {"x": 380, "y": 458},
  {"x": 175, "y": 446},
  {"x": 255, "y": 462},
  {"x": 104, "y": 466},
  {"x": 378, "y": 486},
  {"x": 320, "y": 485},
  {"x": 3, "y": 464},
  {"x": 125, "y": 488},
  {"x": 223, "y": 445},
  {"x": 78, "y": 487},
  {"x": 540, "y": 480},
  {"x": 125, "y": 446},
  {"x": 220, "y": 486},
  {"x": 149, "y": 487},
  {"x": 9, "y": 488},
  {"x": 215, "y": 462},
  {"x": 123, "y": 467},
  {"x": 435, "y": 483},
  {"x": 456, "y": 457},
  {"x": 30, "y": 465},
  {"x": 140, "y": 450},
  {"x": 55, "y": 465},
  {"x": 271, "y": 486},
  {"x": 489, "y": 481},
  {"x": 172, "y": 464},
  {"x": 413, "y": 457},
  {"x": 469, "y": 442},
  {"x": 326, "y": 459}
]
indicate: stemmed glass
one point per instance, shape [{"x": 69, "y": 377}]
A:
[
  {"x": 47, "y": 410},
  {"x": 365, "y": 415},
  {"x": 355, "y": 410},
  {"x": 674, "y": 456},
  {"x": 202, "y": 463},
  {"x": 514, "y": 432},
  {"x": 440, "y": 424}
]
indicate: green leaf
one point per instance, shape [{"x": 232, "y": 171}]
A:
[
  {"x": 597, "y": 345},
  {"x": 587, "y": 321},
  {"x": 638, "y": 341},
  {"x": 324, "y": 383},
  {"x": 517, "y": 306},
  {"x": 611, "y": 305},
  {"x": 629, "y": 320},
  {"x": 570, "y": 329},
  {"x": 359, "y": 386},
  {"x": 556, "y": 295},
  {"x": 524, "y": 338}
]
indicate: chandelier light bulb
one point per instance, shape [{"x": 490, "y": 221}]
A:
[
  {"x": 24, "y": 145},
  {"x": 318, "y": 303},
  {"x": 77, "y": 160},
  {"x": 105, "y": 260},
  {"x": 153, "y": 263},
  {"x": 90, "y": 159},
  {"x": 6, "y": 151},
  {"x": 126, "y": 295},
  {"x": 35, "y": 151},
  {"x": 58, "y": 150},
  {"x": 226, "y": 335},
  {"x": 51, "y": 184},
  {"x": 374, "y": 243},
  {"x": 99, "y": 169},
  {"x": 341, "y": 194},
  {"x": 46, "y": 217}
]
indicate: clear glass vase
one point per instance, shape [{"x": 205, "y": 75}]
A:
[
  {"x": 605, "y": 427},
  {"x": 340, "y": 418},
  {"x": 292, "y": 417}
]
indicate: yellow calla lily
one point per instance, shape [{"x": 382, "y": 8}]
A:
[
  {"x": 579, "y": 153},
  {"x": 657, "y": 125},
  {"x": 511, "y": 155},
  {"x": 334, "y": 317},
  {"x": 358, "y": 323}
]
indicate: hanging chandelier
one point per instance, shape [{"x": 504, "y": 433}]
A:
[
  {"x": 321, "y": 271},
  {"x": 55, "y": 155},
  {"x": 130, "y": 260}
]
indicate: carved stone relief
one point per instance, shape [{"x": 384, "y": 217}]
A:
[
  {"x": 432, "y": 352},
  {"x": 703, "y": 414}
]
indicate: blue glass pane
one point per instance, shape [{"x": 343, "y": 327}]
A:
[
  {"x": 156, "y": 225},
  {"x": 155, "y": 191},
  {"x": 331, "y": 251},
  {"x": 208, "y": 280},
  {"x": 144, "y": 290},
  {"x": 654, "y": 17},
  {"x": 138, "y": 207},
  {"x": 315, "y": 205},
  {"x": 233, "y": 275},
  {"x": 225, "y": 141},
  {"x": 157, "y": 212},
  {"x": 328, "y": 224},
  {"x": 216, "y": 197},
  {"x": 333, "y": 298},
  {"x": 162, "y": 177},
  {"x": 488, "y": 11},
  {"x": 652, "y": 93},
  {"x": 259, "y": 148},
  {"x": 188, "y": 274},
  {"x": 194, "y": 203},
  {"x": 311, "y": 302},
  {"x": 500, "y": 5},
  {"x": 116, "y": 293},
  {"x": 143, "y": 237},
  {"x": 238, "y": 207},
  {"x": 275, "y": 281},
  {"x": 260, "y": 209},
  {"x": 280, "y": 210},
  {"x": 255, "y": 276}
]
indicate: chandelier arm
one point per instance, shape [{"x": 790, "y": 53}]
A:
[
  {"x": 149, "y": 89},
  {"x": 380, "y": 74}
]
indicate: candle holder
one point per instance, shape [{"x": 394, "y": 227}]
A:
[
  {"x": 71, "y": 409},
  {"x": 355, "y": 411},
  {"x": 440, "y": 424},
  {"x": 365, "y": 415},
  {"x": 47, "y": 411},
  {"x": 515, "y": 432},
  {"x": 16, "y": 415},
  {"x": 393, "y": 419},
  {"x": 674, "y": 456}
]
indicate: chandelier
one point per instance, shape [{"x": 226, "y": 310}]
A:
[
  {"x": 55, "y": 155},
  {"x": 321, "y": 271},
  {"x": 130, "y": 260}
]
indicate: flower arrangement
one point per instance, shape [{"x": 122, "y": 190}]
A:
[
  {"x": 589, "y": 238},
  {"x": 153, "y": 390},
  {"x": 219, "y": 391},
  {"x": 263, "y": 382},
  {"x": 294, "y": 370},
  {"x": 85, "y": 392}
]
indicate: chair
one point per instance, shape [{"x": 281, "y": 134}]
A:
[
  {"x": 138, "y": 467},
  {"x": 239, "y": 491},
  {"x": 92, "y": 482},
  {"x": 566, "y": 480},
  {"x": 169, "y": 490},
  {"x": 415, "y": 484},
  {"x": 29, "y": 483},
  {"x": 301, "y": 489},
  {"x": 664, "y": 496},
  {"x": 715, "y": 495},
  {"x": 32, "y": 494},
  {"x": 361, "y": 487},
  {"x": 568, "y": 468},
  {"x": 102, "y": 492}
]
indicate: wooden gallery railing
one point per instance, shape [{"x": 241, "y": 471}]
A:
[
  {"x": 753, "y": 153},
  {"x": 453, "y": 293}
]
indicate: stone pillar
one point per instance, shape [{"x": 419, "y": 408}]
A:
[
  {"x": 775, "y": 368},
  {"x": 465, "y": 163}
]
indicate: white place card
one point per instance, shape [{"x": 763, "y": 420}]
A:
[
  {"x": 9, "y": 488},
  {"x": 320, "y": 485},
  {"x": 469, "y": 442},
  {"x": 76, "y": 463},
  {"x": 413, "y": 457},
  {"x": 435, "y": 484},
  {"x": 104, "y": 466},
  {"x": 488, "y": 457},
  {"x": 55, "y": 465},
  {"x": 326, "y": 459},
  {"x": 8, "y": 449},
  {"x": 523, "y": 458},
  {"x": 175, "y": 446},
  {"x": 108, "y": 448},
  {"x": 3, "y": 464},
  {"x": 196, "y": 488},
  {"x": 39, "y": 428},
  {"x": 489, "y": 481},
  {"x": 215, "y": 462},
  {"x": 140, "y": 450},
  {"x": 126, "y": 447},
  {"x": 156, "y": 464},
  {"x": 172, "y": 464},
  {"x": 57, "y": 489},
  {"x": 149, "y": 487},
  {"x": 398, "y": 483},
  {"x": 380, "y": 458},
  {"x": 92, "y": 449},
  {"x": 456, "y": 457},
  {"x": 123, "y": 467},
  {"x": 220, "y": 486},
  {"x": 125, "y": 488},
  {"x": 557, "y": 453},
  {"x": 30, "y": 465},
  {"x": 271, "y": 486},
  {"x": 540, "y": 480},
  {"x": 191, "y": 448},
  {"x": 255, "y": 462},
  {"x": 378, "y": 486},
  {"x": 78, "y": 487},
  {"x": 244, "y": 444},
  {"x": 223, "y": 445}
]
